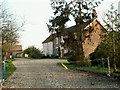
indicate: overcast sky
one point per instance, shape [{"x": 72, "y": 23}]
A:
[{"x": 37, "y": 14}]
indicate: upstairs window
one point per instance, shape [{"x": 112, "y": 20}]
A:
[
  {"x": 56, "y": 40},
  {"x": 62, "y": 39}
]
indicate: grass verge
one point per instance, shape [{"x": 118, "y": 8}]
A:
[
  {"x": 10, "y": 68},
  {"x": 96, "y": 69}
]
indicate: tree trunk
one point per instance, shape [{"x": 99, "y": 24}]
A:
[
  {"x": 114, "y": 68},
  {"x": 79, "y": 50},
  {"x": 114, "y": 52}
]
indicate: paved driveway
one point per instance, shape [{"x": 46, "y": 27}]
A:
[{"x": 47, "y": 74}]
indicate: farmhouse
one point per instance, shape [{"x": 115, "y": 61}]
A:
[{"x": 56, "y": 45}]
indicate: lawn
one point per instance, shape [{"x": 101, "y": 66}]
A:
[
  {"x": 97, "y": 69},
  {"x": 10, "y": 68}
]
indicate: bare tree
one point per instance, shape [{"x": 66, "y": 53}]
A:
[{"x": 9, "y": 29}]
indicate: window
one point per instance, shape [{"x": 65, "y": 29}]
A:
[
  {"x": 75, "y": 35},
  {"x": 56, "y": 40},
  {"x": 61, "y": 38}
]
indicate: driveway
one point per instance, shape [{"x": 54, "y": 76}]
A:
[{"x": 47, "y": 74}]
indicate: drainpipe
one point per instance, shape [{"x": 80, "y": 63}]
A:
[{"x": 53, "y": 42}]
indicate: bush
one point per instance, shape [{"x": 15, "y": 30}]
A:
[
  {"x": 88, "y": 62},
  {"x": 10, "y": 68},
  {"x": 33, "y": 52},
  {"x": 104, "y": 50},
  {"x": 71, "y": 59}
]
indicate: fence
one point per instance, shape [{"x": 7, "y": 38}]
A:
[{"x": 103, "y": 65}]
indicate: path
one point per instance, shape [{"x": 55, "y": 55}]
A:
[{"x": 47, "y": 74}]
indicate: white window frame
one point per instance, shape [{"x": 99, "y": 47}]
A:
[{"x": 56, "y": 40}]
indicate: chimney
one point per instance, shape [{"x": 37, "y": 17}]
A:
[{"x": 94, "y": 14}]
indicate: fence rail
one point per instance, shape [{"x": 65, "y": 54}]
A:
[{"x": 105, "y": 63}]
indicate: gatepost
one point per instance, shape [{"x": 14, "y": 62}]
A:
[{"x": 4, "y": 69}]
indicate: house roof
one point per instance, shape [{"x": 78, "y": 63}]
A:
[
  {"x": 50, "y": 38},
  {"x": 101, "y": 25},
  {"x": 16, "y": 48},
  {"x": 70, "y": 29}
]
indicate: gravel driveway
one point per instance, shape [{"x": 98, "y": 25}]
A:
[{"x": 47, "y": 74}]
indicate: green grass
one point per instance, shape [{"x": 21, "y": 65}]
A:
[
  {"x": 89, "y": 68},
  {"x": 118, "y": 69},
  {"x": 10, "y": 68},
  {"x": 95, "y": 69}
]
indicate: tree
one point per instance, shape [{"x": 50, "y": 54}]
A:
[
  {"x": 82, "y": 12},
  {"x": 113, "y": 27},
  {"x": 58, "y": 21},
  {"x": 9, "y": 29},
  {"x": 105, "y": 49},
  {"x": 33, "y": 52},
  {"x": 110, "y": 45}
]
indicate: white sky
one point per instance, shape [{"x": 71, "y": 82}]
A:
[{"x": 37, "y": 13}]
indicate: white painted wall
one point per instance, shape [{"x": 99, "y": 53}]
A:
[
  {"x": 48, "y": 48},
  {"x": 65, "y": 51}
]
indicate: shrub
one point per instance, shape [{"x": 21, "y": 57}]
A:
[{"x": 33, "y": 52}]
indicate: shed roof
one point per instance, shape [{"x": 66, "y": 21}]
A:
[{"x": 16, "y": 48}]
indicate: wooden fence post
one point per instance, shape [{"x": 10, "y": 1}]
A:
[{"x": 108, "y": 67}]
